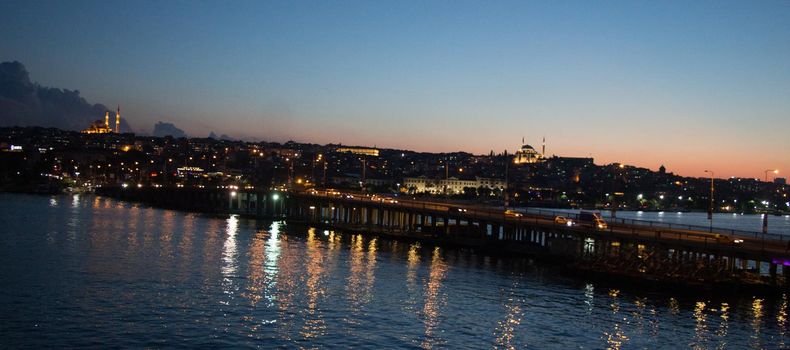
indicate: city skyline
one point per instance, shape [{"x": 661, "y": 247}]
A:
[{"x": 688, "y": 86}]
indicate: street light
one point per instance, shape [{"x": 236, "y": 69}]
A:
[
  {"x": 710, "y": 209},
  {"x": 275, "y": 197},
  {"x": 775, "y": 171}
]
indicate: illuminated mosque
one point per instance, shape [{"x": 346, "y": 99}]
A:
[
  {"x": 104, "y": 128},
  {"x": 528, "y": 155}
]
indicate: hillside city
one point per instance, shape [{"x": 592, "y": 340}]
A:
[{"x": 49, "y": 160}]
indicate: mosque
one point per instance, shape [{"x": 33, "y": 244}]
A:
[
  {"x": 98, "y": 127},
  {"x": 528, "y": 155}
]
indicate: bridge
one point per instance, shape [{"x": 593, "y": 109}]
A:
[
  {"x": 639, "y": 249},
  {"x": 634, "y": 248}
]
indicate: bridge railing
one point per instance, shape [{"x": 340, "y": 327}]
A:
[
  {"x": 535, "y": 215},
  {"x": 669, "y": 225}
]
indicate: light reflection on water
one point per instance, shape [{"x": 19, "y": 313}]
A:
[
  {"x": 132, "y": 276},
  {"x": 434, "y": 301}
]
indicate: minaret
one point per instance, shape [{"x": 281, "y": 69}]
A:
[
  {"x": 106, "y": 119},
  {"x": 544, "y": 146},
  {"x": 118, "y": 121}
]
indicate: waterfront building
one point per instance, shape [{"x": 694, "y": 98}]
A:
[
  {"x": 359, "y": 150},
  {"x": 452, "y": 185}
]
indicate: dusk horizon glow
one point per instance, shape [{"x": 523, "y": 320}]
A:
[{"x": 691, "y": 86}]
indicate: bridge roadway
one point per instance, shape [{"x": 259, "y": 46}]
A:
[
  {"x": 624, "y": 247},
  {"x": 757, "y": 246}
]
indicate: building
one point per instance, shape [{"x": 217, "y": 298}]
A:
[
  {"x": 117, "y": 120},
  {"x": 528, "y": 155},
  {"x": 452, "y": 185},
  {"x": 359, "y": 150},
  {"x": 98, "y": 127}
]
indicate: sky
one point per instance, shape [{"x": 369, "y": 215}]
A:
[{"x": 692, "y": 85}]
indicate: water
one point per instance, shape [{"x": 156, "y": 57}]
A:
[
  {"x": 85, "y": 271},
  {"x": 730, "y": 221}
]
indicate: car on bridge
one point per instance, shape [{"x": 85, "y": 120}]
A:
[
  {"x": 592, "y": 219},
  {"x": 563, "y": 220},
  {"x": 513, "y": 214}
]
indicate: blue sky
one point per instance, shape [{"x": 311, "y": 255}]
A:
[{"x": 692, "y": 85}]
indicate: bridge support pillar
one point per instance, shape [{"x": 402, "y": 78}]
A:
[{"x": 772, "y": 273}]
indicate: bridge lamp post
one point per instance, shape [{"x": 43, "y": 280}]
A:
[
  {"x": 710, "y": 209},
  {"x": 775, "y": 171},
  {"x": 275, "y": 197}
]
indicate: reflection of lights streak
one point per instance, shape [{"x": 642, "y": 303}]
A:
[
  {"x": 362, "y": 274},
  {"x": 724, "y": 325},
  {"x": 166, "y": 232},
  {"x": 413, "y": 259},
  {"x": 616, "y": 338},
  {"x": 270, "y": 268},
  {"x": 75, "y": 223},
  {"x": 638, "y": 314},
  {"x": 185, "y": 246},
  {"x": 674, "y": 306},
  {"x": 506, "y": 329},
  {"x": 256, "y": 278},
  {"x": 757, "y": 315},
  {"x": 701, "y": 328},
  {"x": 589, "y": 297},
  {"x": 228, "y": 267},
  {"x": 434, "y": 300},
  {"x": 314, "y": 325},
  {"x": 371, "y": 268},
  {"x": 229, "y": 248},
  {"x": 255, "y": 286},
  {"x": 781, "y": 321}
]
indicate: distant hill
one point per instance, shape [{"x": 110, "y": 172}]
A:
[{"x": 24, "y": 103}]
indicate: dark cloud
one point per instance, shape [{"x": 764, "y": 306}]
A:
[
  {"x": 162, "y": 129},
  {"x": 24, "y": 103}
]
